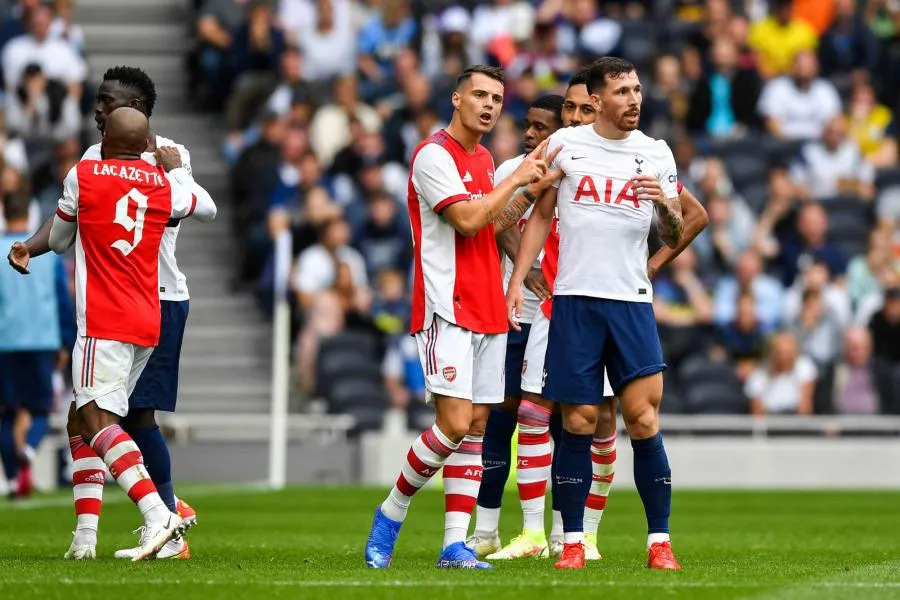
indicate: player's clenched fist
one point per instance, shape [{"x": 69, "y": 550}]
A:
[{"x": 169, "y": 158}]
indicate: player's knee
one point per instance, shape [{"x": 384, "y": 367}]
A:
[
  {"x": 580, "y": 422},
  {"x": 642, "y": 421}
]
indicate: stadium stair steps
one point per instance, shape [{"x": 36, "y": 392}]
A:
[{"x": 226, "y": 357}]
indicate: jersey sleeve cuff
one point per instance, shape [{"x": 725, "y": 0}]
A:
[
  {"x": 193, "y": 204},
  {"x": 443, "y": 204},
  {"x": 65, "y": 216}
]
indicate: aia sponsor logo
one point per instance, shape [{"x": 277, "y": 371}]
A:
[{"x": 449, "y": 373}]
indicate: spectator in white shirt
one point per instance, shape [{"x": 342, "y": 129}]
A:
[
  {"x": 834, "y": 165},
  {"x": 64, "y": 27},
  {"x": 317, "y": 267},
  {"x": 328, "y": 40},
  {"x": 330, "y": 128},
  {"x": 784, "y": 385},
  {"x": 55, "y": 56},
  {"x": 799, "y": 106}
]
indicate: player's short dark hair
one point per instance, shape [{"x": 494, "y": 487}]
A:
[
  {"x": 579, "y": 78},
  {"x": 15, "y": 207},
  {"x": 136, "y": 79},
  {"x": 552, "y": 103},
  {"x": 605, "y": 68},
  {"x": 495, "y": 73}
]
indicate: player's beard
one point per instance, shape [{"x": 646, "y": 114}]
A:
[{"x": 628, "y": 122}]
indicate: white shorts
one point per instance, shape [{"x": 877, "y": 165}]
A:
[
  {"x": 536, "y": 350},
  {"x": 462, "y": 364},
  {"x": 106, "y": 371}
]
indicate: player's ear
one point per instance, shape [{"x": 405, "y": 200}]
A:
[{"x": 456, "y": 99}]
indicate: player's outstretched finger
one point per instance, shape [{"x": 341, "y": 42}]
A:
[
  {"x": 548, "y": 160},
  {"x": 540, "y": 150}
]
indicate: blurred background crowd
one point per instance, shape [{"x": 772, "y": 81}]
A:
[{"x": 781, "y": 115}]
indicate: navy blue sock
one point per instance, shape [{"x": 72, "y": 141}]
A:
[
  {"x": 556, "y": 436},
  {"x": 7, "y": 447},
  {"x": 573, "y": 478},
  {"x": 40, "y": 425},
  {"x": 153, "y": 446},
  {"x": 495, "y": 457},
  {"x": 653, "y": 479}
]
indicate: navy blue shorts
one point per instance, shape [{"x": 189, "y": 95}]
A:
[
  {"x": 26, "y": 380},
  {"x": 515, "y": 357},
  {"x": 585, "y": 334},
  {"x": 158, "y": 386}
]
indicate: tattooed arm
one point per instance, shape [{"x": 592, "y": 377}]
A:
[
  {"x": 510, "y": 215},
  {"x": 671, "y": 221}
]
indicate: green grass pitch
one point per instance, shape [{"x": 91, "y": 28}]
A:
[{"x": 307, "y": 543}]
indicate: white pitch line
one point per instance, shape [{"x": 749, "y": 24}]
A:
[
  {"x": 479, "y": 583},
  {"x": 188, "y": 491}
]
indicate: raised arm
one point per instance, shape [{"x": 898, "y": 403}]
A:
[{"x": 437, "y": 181}]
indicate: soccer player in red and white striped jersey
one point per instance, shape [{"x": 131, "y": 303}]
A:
[
  {"x": 115, "y": 211},
  {"x": 458, "y": 313}
]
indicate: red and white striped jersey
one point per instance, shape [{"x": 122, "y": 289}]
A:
[
  {"x": 121, "y": 208},
  {"x": 456, "y": 277}
]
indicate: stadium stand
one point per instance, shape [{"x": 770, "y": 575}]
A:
[{"x": 762, "y": 132}]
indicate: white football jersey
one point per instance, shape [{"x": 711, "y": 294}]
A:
[
  {"x": 603, "y": 227},
  {"x": 531, "y": 301},
  {"x": 172, "y": 282}
]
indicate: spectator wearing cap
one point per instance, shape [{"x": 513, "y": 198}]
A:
[
  {"x": 446, "y": 52},
  {"x": 799, "y": 106},
  {"x": 779, "y": 38}
]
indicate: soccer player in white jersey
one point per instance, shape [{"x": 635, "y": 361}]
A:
[
  {"x": 530, "y": 470},
  {"x": 157, "y": 388},
  {"x": 458, "y": 312},
  {"x": 543, "y": 118},
  {"x": 603, "y": 312}
]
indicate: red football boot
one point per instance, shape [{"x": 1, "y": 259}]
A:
[
  {"x": 660, "y": 556},
  {"x": 572, "y": 557}
]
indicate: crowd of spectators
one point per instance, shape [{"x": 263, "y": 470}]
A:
[
  {"x": 45, "y": 100},
  {"x": 782, "y": 115}
]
